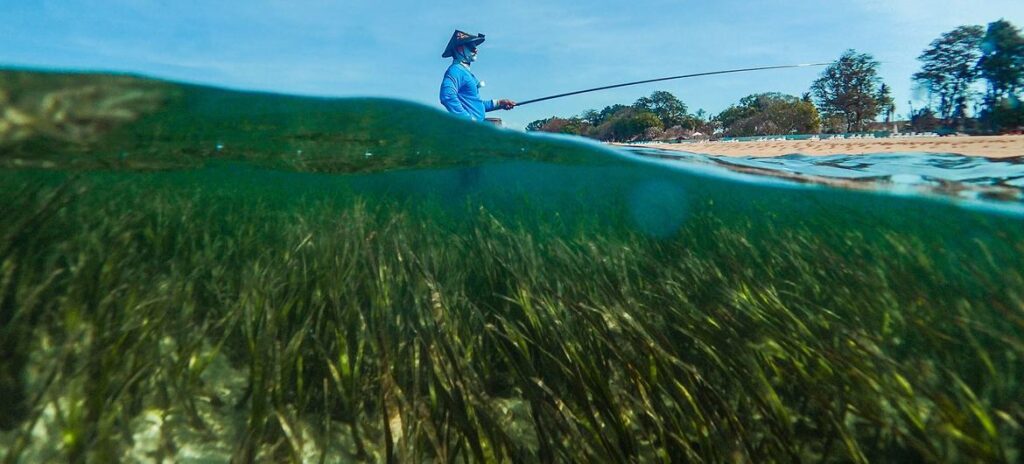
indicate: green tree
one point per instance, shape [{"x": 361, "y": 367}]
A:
[
  {"x": 639, "y": 123},
  {"x": 730, "y": 118},
  {"x": 1002, "y": 66},
  {"x": 949, "y": 67},
  {"x": 536, "y": 125},
  {"x": 704, "y": 122},
  {"x": 1006, "y": 113},
  {"x": 626, "y": 124},
  {"x": 1002, "y": 60},
  {"x": 593, "y": 117},
  {"x": 554, "y": 124},
  {"x": 669, "y": 109},
  {"x": 769, "y": 113},
  {"x": 924, "y": 120},
  {"x": 885, "y": 102},
  {"x": 607, "y": 113},
  {"x": 574, "y": 126},
  {"x": 849, "y": 88}
]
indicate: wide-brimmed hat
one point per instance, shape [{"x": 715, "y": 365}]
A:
[{"x": 461, "y": 38}]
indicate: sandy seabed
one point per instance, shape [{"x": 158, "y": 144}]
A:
[{"x": 997, "y": 146}]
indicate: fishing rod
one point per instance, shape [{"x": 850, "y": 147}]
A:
[{"x": 730, "y": 71}]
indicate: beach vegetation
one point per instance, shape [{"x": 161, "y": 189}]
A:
[
  {"x": 669, "y": 109},
  {"x": 1004, "y": 114},
  {"x": 949, "y": 68},
  {"x": 885, "y": 101},
  {"x": 1002, "y": 60},
  {"x": 604, "y": 114},
  {"x": 574, "y": 125},
  {"x": 627, "y": 124},
  {"x": 1002, "y": 66},
  {"x": 536, "y": 125},
  {"x": 849, "y": 96},
  {"x": 850, "y": 88},
  {"x": 924, "y": 120},
  {"x": 769, "y": 113},
  {"x": 957, "y": 59},
  {"x": 661, "y": 114}
]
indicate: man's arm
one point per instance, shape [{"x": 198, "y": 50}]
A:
[
  {"x": 450, "y": 97},
  {"x": 503, "y": 104}
]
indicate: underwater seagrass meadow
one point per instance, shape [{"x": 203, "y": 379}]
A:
[{"x": 191, "y": 274}]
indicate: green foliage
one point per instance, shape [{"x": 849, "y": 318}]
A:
[
  {"x": 537, "y": 125},
  {"x": 1004, "y": 114},
  {"x": 592, "y": 117},
  {"x": 949, "y": 67},
  {"x": 957, "y": 58},
  {"x": 885, "y": 102},
  {"x": 619, "y": 123},
  {"x": 607, "y": 112},
  {"x": 670, "y": 110},
  {"x": 1002, "y": 60},
  {"x": 627, "y": 124},
  {"x": 573, "y": 126},
  {"x": 769, "y": 113},
  {"x": 554, "y": 124},
  {"x": 924, "y": 120},
  {"x": 849, "y": 88},
  {"x": 645, "y": 119}
]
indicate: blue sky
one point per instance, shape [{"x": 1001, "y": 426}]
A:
[{"x": 533, "y": 49}]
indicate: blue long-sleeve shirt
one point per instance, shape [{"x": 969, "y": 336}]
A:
[{"x": 460, "y": 94}]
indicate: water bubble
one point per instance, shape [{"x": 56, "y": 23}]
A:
[{"x": 658, "y": 208}]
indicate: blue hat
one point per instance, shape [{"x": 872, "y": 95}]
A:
[{"x": 461, "y": 38}]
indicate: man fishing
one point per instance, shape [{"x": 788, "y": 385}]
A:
[{"x": 460, "y": 92}]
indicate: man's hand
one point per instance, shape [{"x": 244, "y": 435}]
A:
[{"x": 506, "y": 104}]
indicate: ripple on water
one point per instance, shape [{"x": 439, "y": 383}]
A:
[{"x": 996, "y": 182}]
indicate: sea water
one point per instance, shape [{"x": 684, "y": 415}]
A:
[{"x": 197, "y": 274}]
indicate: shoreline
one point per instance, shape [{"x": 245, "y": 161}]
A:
[{"x": 988, "y": 146}]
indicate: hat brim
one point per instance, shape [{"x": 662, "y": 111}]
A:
[{"x": 450, "y": 51}]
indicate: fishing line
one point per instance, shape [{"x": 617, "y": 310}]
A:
[{"x": 730, "y": 71}]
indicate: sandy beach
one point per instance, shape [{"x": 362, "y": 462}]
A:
[{"x": 1001, "y": 146}]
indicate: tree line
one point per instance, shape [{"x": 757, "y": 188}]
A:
[{"x": 848, "y": 96}]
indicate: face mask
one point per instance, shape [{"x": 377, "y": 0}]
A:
[{"x": 466, "y": 55}]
